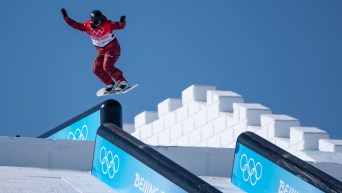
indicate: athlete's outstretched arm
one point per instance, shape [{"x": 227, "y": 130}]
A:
[
  {"x": 71, "y": 22},
  {"x": 119, "y": 25}
]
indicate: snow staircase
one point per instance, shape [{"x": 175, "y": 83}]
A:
[{"x": 206, "y": 117}]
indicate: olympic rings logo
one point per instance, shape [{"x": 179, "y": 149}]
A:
[
  {"x": 110, "y": 163},
  {"x": 250, "y": 170},
  {"x": 97, "y": 32},
  {"x": 80, "y": 134}
]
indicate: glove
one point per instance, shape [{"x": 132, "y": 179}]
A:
[
  {"x": 64, "y": 12},
  {"x": 123, "y": 19}
]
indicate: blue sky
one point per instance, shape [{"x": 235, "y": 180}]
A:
[{"x": 285, "y": 55}]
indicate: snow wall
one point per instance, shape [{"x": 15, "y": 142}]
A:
[{"x": 207, "y": 117}]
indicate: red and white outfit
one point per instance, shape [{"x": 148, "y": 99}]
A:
[{"x": 107, "y": 46}]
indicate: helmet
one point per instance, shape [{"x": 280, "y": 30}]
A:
[{"x": 96, "y": 18}]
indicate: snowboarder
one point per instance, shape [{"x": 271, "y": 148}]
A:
[{"x": 100, "y": 29}]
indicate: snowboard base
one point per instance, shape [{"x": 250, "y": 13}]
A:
[{"x": 100, "y": 92}]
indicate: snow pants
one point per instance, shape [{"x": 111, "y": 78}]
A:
[{"x": 104, "y": 63}]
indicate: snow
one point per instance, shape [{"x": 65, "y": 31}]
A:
[
  {"x": 37, "y": 180},
  {"x": 223, "y": 184}
]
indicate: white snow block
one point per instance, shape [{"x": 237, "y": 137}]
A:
[
  {"x": 137, "y": 134},
  {"x": 145, "y": 118},
  {"x": 168, "y": 106},
  {"x": 231, "y": 121},
  {"x": 239, "y": 128},
  {"x": 181, "y": 114},
  {"x": 207, "y": 132},
  {"x": 306, "y": 138},
  {"x": 194, "y": 107},
  {"x": 152, "y": 140},
  {"x": 220, "y": 124},
  {"x": 213, "y": 111},
  {"x": 176, "y": 131},
  {"x": 225, "y": 99},
  {"x": 253, "y": 128},
  {"x": 278, "y": 125},
  {"x": 262, "y": 133},
  {"x": 158, "y": 125},
  {"x": 202, "y": 144},
  {"x": 164, "y": 137},
  {"x": 201, "y": 118},
  {"x": 283, "y": 143},
  {"x": 250, "y": 112},
  {"x": 129, "y": 128},
  {"x": 330, "y": 145},
  {"x": 188, "y": 125},
  {"x": 170, "y": 119},
  {"x": 195, "y": 138},
  {"x": 183, "y": 141},
  {"x": 227, "y": 137},
  {"x": 146, "y": 131},
  {"x": 214, "y": 141},
  {"x": 196, "y": 93}
]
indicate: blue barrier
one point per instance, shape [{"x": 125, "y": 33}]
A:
[
  {"x": 85, "y": 125},
  {"x": 260, "y": 166},
  {"x": 128, "y": 165}
]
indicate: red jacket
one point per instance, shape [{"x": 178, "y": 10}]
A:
[{"x": 100, "y": 36}]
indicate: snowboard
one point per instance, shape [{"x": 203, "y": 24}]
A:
[{"x": 100, "y": 92}]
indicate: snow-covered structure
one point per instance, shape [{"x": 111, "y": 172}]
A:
[{"x": 206, "y": 117}]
